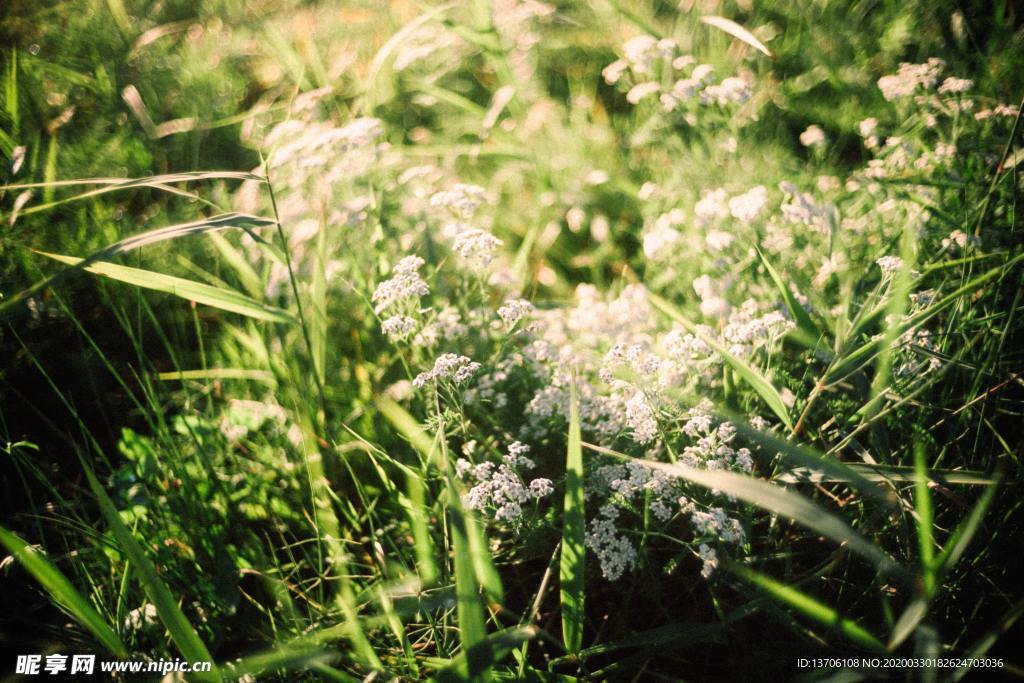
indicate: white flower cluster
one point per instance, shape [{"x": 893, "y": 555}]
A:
[
  {"x": 478, "y": 247},
  {"x": 713, "y": 449},
  {"x": 646, "y": 59},
  {"x": 501, "y": 488},
  {"x": 405, "y": 284},
  {"x": 514, "y": 310},
  {"x": 889, "y": 264},
  {"x": 448, "y": 366},
  {"x": 614, "y": 551},
  {"x": 813, "y": 136},
  {"x": 910, "y": 77}
]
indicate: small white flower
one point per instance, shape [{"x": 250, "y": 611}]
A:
[
  {"x": 813, "y": 136},
  {"x": 476, "y": 246},
  {"x": 889, "y": 264},
  {"x": 514, "y": 310}
]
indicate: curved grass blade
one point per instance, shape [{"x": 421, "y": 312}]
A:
[
  {"x": 736, "y": 31},
  {"x": 809, "y": 334},
  {"x": 62, "y": 591},
  {"x": 879, "y": 472},
  {"x": 961, "y": 538},
  {"x": 745, "y": 371},
  {"x": 810, "y": 607},
  {"x": 573, "y": 534},
  {"x": 218, "y": 297},
  {"x": 160, "y": 182},
  {"x": 781, "y": 501},
  {"x": 219, "y": 222},
  {"x": 182, "y": 633}
]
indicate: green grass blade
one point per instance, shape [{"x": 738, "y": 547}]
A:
[
  {"x": 736, "y": 31},
  {"x": 924, "y": 509},
  {"x": 809, "y": 332},
  {"x": 62, "y": 591},
  {"x": 961, "y": 537},
  {"x": 496, "y": 647},
  {"x": 217, "y": 297},
  {"x": 219, "y": 222},
  {"x": 745, "y": 371},
  {"x": 573, "y": 534},
  {"x": 780, "y": 501},
  {"x": 182, "y": 633},
  {"x": 809, "y": 607},
  {"x": 915, "y": 612}
]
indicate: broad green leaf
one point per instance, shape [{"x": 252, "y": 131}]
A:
[
  {"x": 224, "y": 299},
  {"x": 573, "y": 533},
  {"x": 62, "y": 591}
]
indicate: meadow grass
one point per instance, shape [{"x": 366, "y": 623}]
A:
[{"x": 511, "y": 340}]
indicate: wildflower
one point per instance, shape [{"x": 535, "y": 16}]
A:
[
  {"x": 448, "y": 366},
  {"x": 732, "y": 90},
  {"x": 462, "y": 199},
  {"x": 398, "y": 326},
  {"x": 955, "y": 86},
  {"x": 405, "y": 283},
  {"x": 476, "y": 246},
  {"x": 710, "y": 559},
  {"x": 640, "y": 419},
  {"x": 813, "y": 136},
  {"x": 748, "y": 206},
  {"x": 514, "y": 310},
  {"x": 889, "y": 264},
  {"x": 614, "y": 551},
  {"x": 641, "y": 90},
  {"x": 910, "y": 77},
  {"x": 712, "y": 205}
]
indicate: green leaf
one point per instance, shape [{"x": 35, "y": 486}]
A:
[
  {"x": 746, "y": 372},
  {"x": 62, "y": 591},
  {"x": 961, "y": 538},
  {"x": 224, "y": 299},
  {"x": 809, "y": 607},
  {"x": 573, "y": 534}
]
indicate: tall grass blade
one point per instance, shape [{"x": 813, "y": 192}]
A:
[
  {"x": 182, "y": 633},
  {"x": 62, "y": 591},
  {"x": 495, "y": 648},
  {"x": 810, "y": 607},
  {"x": 573, "y": 534},
  {"x": 217, "y": 297}
]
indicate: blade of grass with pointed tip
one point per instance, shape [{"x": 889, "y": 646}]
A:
[
  {"x": 810, "y": 607},
  {"x": 780, "y": 501},
  {"x": 878, "y": 472},
  {"x": 736, "y": 31},
  {"x": 809, "y": 332},
  {"x": 746, "y": 372},
  {"x": 573, "y": 534},
  {"x": 961, "y": 537},
  {"x": 62, "y": 591},
  {"x": 217, "y": 297},
  {"x": 182, "y": 633},
  {"x": 219, "y": 222},
  {"x": 915, "y": 612}
]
